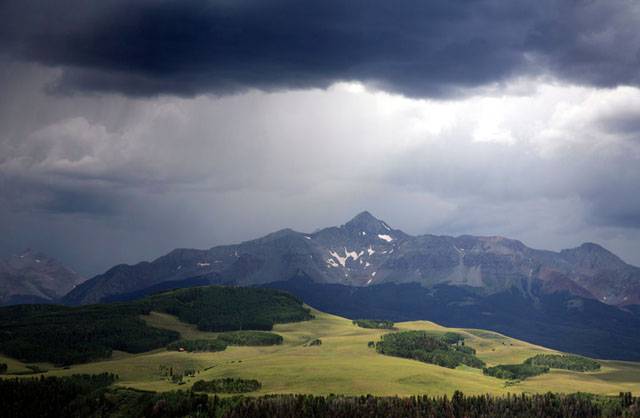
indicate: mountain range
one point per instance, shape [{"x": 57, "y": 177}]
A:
[
  {"x": 366, "y": 251},
  {"x": 33, "y": 277},
  {"x": 584, "y": 300}
]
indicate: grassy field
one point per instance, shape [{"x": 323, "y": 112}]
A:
[{"x": 344, "y": 364}]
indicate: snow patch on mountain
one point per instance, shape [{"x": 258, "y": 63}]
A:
[{"x": 341, "y": 260}]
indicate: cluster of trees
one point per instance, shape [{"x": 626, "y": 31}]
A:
[
  {"x": 176, "y": 374},
  {"x": 452, "y": 338},
  {"x": 373, "y": 323},
  {"x": 515, "y": 371},
  {"x": 64, "y": 335},
  {"x": 220, "y": 343},
  {"x": 422, "y": 346},
  {"x": 197, "y": 345},
  {"x": 3, "y": 368},
  {"x": 458, "y": 405},
  {"x": 227, "y": 385},
  {"x": 541, "y": 363},
  {"x": 84, "y": 396},
  {"x": 564, "y": 361},
  {"x": 219, "y": 309},
  {"x": 45, "y": 397},
  {"x": 251, "y": 338}
]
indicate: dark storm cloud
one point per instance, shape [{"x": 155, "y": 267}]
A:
[
  {"x": 20, "y": 194},
  {"x": 415, "y": 47}
]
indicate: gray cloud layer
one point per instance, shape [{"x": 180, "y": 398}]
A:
[
  {"x": 523, "y": 121},
  {"x": 98, "y": 180},
  {"x": 415, "y": 47}
]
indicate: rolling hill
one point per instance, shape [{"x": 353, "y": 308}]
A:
[
  {"x": 343, "y": 362},
  {"x": 579, "y": 300},
  {"x": 69, "y": 335},
  {"x": 557, "y": 320}
]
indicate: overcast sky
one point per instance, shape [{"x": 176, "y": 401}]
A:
[{"x": 128, "y": 129}]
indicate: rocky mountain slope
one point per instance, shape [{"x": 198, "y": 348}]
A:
[
  {"x": 367, "y": 251},
  {"x": 33, "y": 277}
]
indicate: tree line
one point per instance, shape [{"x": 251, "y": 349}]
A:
[
  {"x": 220, "y": 343},
  {"x": 373, "y": 323},
  {"x": 197, "y": 345},
  {"x": 69, "y": 335},
  {"x": 564, "y": 361},
  {"x": 427, "y": 348},
  {"x": 92, "y": 396},
  {"x": 226, "y": 385},
  {"x": 540, "y": 364}
]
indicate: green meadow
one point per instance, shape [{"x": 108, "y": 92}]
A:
[{"x": 344, "y": 364}]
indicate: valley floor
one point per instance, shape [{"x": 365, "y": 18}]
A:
[{"x": 344, "y": 364}]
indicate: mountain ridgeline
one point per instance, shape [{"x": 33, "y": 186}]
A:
[
  {"x": 367, "y": 251},
  {"x": 33, "y": 277},
  {"x": 579, "y": 300}
]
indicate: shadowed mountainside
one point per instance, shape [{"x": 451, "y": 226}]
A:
[
  {"x": 367, "y": 251},
  {"x": 33, "y": 277}
]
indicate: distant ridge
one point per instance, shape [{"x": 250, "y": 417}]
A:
[
  {"x": 34, "y": 277},
  {"x": 367, "y": 251},
  {"x": 579, "y": 300}
]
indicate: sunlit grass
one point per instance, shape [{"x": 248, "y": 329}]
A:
[{"x": 344, "y": 364}]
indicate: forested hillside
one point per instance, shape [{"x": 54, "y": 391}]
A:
[{"x": 64, "y": 335}]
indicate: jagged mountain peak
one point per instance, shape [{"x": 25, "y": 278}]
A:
[
  {"x": 593, "y": 255},
  {"x": 33, "y": 276},
  {"x": 30, "y": 258},
  {"x": 366, "y": 222},
  {"x": 592, "y": 247},
  {"x": 366, "y": 251}
]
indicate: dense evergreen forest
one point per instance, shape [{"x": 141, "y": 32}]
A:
[
  {"x": 564, "y": 361},
  {"x": 226, "y": 385},
  {"x": 197, "y": 345},
  {"x": 90, "y": 396},
  {"x": 447, "y": 350},
  {"x": 515, "y": 371},
  {"x": 64, "y": 335},
  {"x": 220, "y": 343},
  {"x": 251, "y": 338},
  {"x": 540, "y": 364},
  {"x": 218, "y": 308},
  {"x": 373, "y": 323}
]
